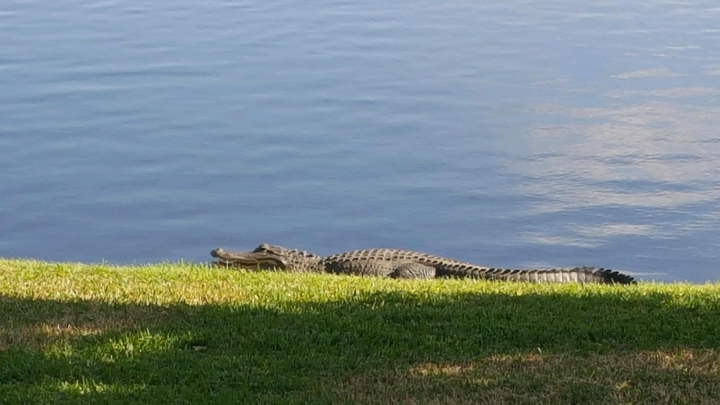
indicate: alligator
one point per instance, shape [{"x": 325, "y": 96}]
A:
[{"x": 396, "y": 263}]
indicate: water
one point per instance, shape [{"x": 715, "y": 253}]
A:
[{"x": 512, "y": 134}]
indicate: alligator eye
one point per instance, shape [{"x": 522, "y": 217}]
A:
[{"x": 264, "y": 247}]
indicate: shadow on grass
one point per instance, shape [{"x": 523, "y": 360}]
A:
[{"x": 370, "y": 348}]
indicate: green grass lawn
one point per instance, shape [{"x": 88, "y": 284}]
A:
[{"x": 179, "y": 333}]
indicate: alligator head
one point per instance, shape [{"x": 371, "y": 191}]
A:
[{"x": 268, "y": 257}]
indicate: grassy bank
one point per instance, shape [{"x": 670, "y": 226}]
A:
[{"x": 182, "y": 333}]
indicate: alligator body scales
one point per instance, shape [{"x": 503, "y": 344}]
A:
[{"x": 396, "y": 263}]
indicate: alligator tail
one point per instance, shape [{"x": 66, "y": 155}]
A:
[{"x": 568, "y": 275}]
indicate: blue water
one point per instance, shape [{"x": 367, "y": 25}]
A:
[{"x": 514, "y": 134}]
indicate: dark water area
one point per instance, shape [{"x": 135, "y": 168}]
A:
[{"x": 511, "y": 134}]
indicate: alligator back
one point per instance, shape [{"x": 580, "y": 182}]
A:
[{"x": 377, "y": 262}]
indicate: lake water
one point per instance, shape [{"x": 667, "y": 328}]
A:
[{"x": 512, "y": 134}]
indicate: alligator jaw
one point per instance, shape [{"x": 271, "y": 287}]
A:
[{"x": 247, "y": 259}]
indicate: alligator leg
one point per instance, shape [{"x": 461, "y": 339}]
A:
[{"x": 413, "y": 270}]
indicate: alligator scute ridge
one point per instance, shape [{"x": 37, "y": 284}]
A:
[{"x": 398, "y": 263}]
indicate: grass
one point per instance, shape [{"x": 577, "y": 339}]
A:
[{"x": 182, "y": 333}]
